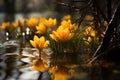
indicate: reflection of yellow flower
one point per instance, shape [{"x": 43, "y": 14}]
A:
[
  {"x": 39, "y": 43},
  {"x": 32, "y": 22},
  {"x": 5, "y": 25},
  {"x": 53, "y": 69},
  {"x": 61, "y": 34},
  {"x": 39, "y": 65},
  {"x": 41, "y": 29},
  {"x": 51, "y": 22},
  {"x": 59, "y": 72},
  {"x": 60, "y": 76}
]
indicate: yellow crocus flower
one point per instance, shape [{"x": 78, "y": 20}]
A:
[
  {"x": 61, "y": 34},
  {"x": 5, "y": 25},
  {"x": 14, "y": 25},
  {"x": 87, "y": 30},
  {"x": 32, "y": 22},
  {"x": 64, "y": 34},
  {"x": 66, "y": 17},
  {"x": 88, "y": 40},
  {"x": 42, "y": 20},
  {"x": 66, "y": 24},
  {"x": 51, "y": 23},
  {"x": 41, "y": 29},
  {"x": 53, "y": 36},
  {"x": 73, "y": 27},
  {"x": 39, "y": 43},
  {"x": 20, "y": 22},
  {"x": 90, "y": 31}
]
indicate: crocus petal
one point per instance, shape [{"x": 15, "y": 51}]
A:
[
  {"x": 54, "y": 37},
  {"x": 32, "y": 43}
]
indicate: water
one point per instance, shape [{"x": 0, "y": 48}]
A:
[
  {"x": 14, "y": 65},
  {"x": 11, "y": 66}
]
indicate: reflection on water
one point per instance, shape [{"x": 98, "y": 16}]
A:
[
  {"x": 11, "y": 66},
  {"x": 14, "y": 65}
]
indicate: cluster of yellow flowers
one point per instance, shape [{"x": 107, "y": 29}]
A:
[
  {"x": 89, "y": 33},
  {"x": 12, "y": 28},
  {"x": 61, "y": 34},
  {"x": 6, "y": 25},
  {"x": 12, "y": 25},
  {"x": 31, "y": 24},
  {"x": 61, "y": 37}
]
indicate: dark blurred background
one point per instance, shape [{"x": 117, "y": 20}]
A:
[
  {"x": 101, "y": 11},
  {"x": 10, "y": 10}
]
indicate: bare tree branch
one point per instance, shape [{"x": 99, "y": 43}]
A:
[
  {"x": 115, "y": 21},
  {"x": 100, "y": 10}
]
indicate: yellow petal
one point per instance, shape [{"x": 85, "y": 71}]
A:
[
  {"x": 92, "y": 33},
  {"x": 41, "y": 29},
  {"x": 60, "y": 76},
  {"x": 51, "y": 22},
  {"x": 46, "y": 44},
  {"x": 89, "y": 39},
  {"x": 36, "y": 39},
  {"x": 54, "y": 37},
  {"x": 70, "y": 36},
  {"x": 42, "y": 39},
  {"x": 32, "y": 43},
  {"x": 67, "y": 17}
]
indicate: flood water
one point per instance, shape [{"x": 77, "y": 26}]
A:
[{"x": 14, "y": 65}]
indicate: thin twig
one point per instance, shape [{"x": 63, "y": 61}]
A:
[{"x": 109, "y": 30}]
